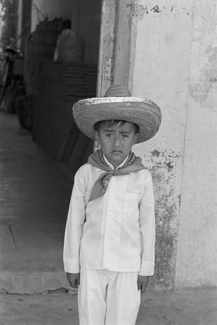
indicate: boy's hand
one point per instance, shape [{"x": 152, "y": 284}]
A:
[
  {"x": 142, "y": 282},
  {"x": 74, "y": 279}
]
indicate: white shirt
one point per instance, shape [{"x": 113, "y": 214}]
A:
[
  {"x": 110, "y": 165},
  {"x": 119, "y": 232}
]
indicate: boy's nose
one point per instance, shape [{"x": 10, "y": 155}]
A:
[{"x": 117, "y": 142}]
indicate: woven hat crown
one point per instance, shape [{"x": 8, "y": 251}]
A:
[
  {"x": 117, "y": 91},
  {"x": 118, "y": 104}
]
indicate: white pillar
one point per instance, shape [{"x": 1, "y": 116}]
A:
[
  {"x": 174, "y": 62},
  {"x": 106, "y": 49},
  {"x": 197, "y": 243},
  {"x": 159, "y": 70}
]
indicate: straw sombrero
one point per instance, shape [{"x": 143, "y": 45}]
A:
[{"x": 118, "y": 104}]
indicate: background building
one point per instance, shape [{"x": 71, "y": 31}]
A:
[{"x": 166, "y": 52}]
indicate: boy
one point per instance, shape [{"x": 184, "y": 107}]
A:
[{"x": 110, "y": 230}]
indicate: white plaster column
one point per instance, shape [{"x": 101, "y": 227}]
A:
[
  {"x": 197, "y": 243},
  {"x": 174, "y": 62},
  {"x": 160, "y": 61},
  {"x": 106, "y": 49},
  {"x": 122, "y": 40}
]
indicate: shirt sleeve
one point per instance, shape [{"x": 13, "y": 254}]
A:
[
  {"x": 147, "y": 229},
  {"x": 74, "y": 225}
]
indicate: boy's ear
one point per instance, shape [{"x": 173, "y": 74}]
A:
[
  {"x": 96, "y": 137},
  {"x": 136, "y": 137}
]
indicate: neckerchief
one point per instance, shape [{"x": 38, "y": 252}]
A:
[{"x": 133, "y": 164}]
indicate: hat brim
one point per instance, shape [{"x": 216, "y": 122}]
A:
[{"x": 143, "y": 112}]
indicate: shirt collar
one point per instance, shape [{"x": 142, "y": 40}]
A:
[{"x": 110, "y": 165}]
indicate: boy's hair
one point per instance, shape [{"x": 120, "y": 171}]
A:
[{"x": 109, "y": 123}]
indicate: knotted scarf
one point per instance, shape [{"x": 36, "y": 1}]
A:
[{"x": 133, "y": 164}]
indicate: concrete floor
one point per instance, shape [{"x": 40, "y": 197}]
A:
[{"x": 34, "y": 198}]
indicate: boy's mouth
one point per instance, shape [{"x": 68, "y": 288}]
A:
[{"x": 116, "y": 151}]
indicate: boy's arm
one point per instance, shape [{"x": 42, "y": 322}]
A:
[
  {"x": 74, "y": 225},
  {"x": 147, "y": 229}
]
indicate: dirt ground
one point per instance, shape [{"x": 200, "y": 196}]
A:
[{"x": 183, "y": 307}]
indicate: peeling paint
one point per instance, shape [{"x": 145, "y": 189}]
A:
[
  {"x": 156, "y": 9},
  {"x": 140, "y": 10},
  {"x": 162, "y": 159},
  {"x": 167, "y": 213},
  {"x": 163, "y": 166},
  {"x": 155, "y": 153},
  {"x": 169, "y": 166}
]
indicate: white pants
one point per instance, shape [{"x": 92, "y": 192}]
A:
[{"x": 108, "y": 298}]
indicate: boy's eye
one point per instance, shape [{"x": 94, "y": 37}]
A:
[
  {"x": 125, "y": 135},
  {"x": 108, "y": 135}
]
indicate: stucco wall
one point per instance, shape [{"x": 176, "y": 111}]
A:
[
  {"x": 197, "y": 244},
  {"x": 50, "y": 9},
  {"x": 160, "y": 64},
  {"x": 85, "y": 20},
  {"x": 173, "y": 62}
]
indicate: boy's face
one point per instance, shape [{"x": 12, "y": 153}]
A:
[{"x": 116, "y": 141}]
